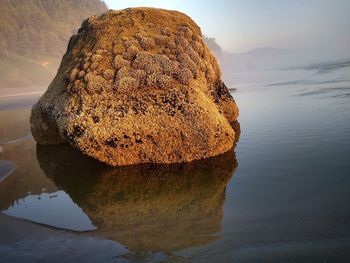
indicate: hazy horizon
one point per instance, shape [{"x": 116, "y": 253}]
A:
[
  {"x": 254, "y": 35},
  {"x": 319, "y": 27}
]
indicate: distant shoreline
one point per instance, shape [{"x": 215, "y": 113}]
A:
[
  {"x": 8, "y": 92},
  {"x": 20, "y": 94},
  {"x": 18, "y": 99}
]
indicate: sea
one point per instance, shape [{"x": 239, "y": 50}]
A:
[{"x": 281, "y": 195}]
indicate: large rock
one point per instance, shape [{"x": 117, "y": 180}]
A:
[{"x": 138, "y": 86}]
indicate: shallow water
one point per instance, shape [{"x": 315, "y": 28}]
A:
[{"x": 283, "y": 196}]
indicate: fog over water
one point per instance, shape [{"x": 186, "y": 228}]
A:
[{"x": 318, "y": 29}]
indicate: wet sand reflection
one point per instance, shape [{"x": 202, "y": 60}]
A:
[{"x": 145, "y": 207}]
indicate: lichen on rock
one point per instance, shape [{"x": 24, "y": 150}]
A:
[{"x": 138, "y": 86}]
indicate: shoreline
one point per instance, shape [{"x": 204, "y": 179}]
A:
[
  {"x": 10, "y": 92},
  {"x": 22, "y": 94},
  {"x": 19, "y": 99}
]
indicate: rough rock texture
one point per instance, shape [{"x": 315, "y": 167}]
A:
[
  {"x": 138, "y": 86},
  {"x": 146, "y": 207}
]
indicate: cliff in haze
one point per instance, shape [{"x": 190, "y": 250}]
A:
[
  {"x": 215, "y": 48},
  {"x": 265, "y": 58},
  {"x": 34, "y": 36}
]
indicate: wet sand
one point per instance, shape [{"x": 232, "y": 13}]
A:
[
  {"x": 286, "y": 201},
  {"x": 24, "y": 241},
  {"x": 6, "y": 168}
]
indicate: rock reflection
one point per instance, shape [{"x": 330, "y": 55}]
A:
[
  {"x": 145, "y": 207},
  {"x": 26, "y": 179}
]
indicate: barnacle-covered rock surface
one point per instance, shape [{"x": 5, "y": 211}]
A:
[{"x": 138, "y": 86}]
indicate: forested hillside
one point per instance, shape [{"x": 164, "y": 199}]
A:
[{"x": 34, "y": 35}]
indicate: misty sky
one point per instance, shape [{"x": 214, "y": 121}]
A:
[{"x": 242, "y": 25}]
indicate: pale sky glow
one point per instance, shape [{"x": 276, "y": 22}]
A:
[{"x": 241, "y": 25}]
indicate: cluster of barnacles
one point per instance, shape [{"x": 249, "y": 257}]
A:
[{"x": 143, "y": 61}]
